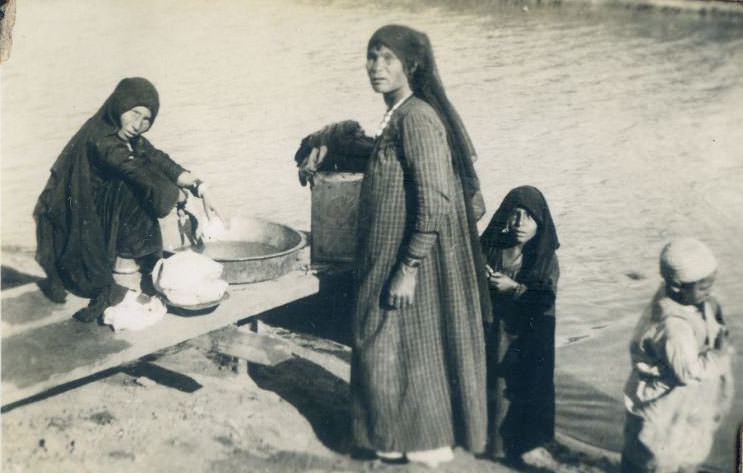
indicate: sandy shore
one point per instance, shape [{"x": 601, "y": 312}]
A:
[{"x": 194, "y": 408}]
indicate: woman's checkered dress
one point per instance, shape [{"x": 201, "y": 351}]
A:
[{"x": 418, "y": 374}]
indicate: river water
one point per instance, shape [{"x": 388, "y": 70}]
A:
[{"x": 630, "y": 121}]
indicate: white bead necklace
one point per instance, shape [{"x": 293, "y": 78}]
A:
[{"x": 387, "y": 116}]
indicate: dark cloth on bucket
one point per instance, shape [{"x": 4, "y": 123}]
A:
[
  {"x": 348, "y": 149},
  {"x": 103, "y": 198},
  {"x": 521, "y": 339}
]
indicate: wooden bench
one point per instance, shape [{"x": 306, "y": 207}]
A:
[{"x": 44, "y": 348}]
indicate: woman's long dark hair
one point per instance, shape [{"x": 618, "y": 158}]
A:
[{"x": 414, "y": 50}]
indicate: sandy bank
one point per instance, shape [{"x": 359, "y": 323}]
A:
[{"x": 190, "y": 408}]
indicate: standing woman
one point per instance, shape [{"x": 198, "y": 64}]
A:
[
  {"x": 105, "y": 193},
  {"x": 418, "y": 373},
  {"x": 418, "y": 370},
  {"x": 519, "y": 245}
]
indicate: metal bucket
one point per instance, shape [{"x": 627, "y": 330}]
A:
[
  {"x": 254, "y": 250},
  {"x": 335, "y": 212}
]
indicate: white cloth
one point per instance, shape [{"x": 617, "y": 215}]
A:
[
  {"x": 213, "y": 230},
  {"x": 189, "y": 278},
  {"x": 135, "y": 312},
  {"x": 687, "y": 260}
]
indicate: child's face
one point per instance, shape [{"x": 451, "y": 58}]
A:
[
  {"x": 522, "y": 225},
  {"x": 692, "y": 293}
]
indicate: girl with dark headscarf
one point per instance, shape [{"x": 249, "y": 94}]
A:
[
  {"x": 519, "y": 244},
  {"x": 102, "y": 200},
  {"x": 418, "y": 369}
]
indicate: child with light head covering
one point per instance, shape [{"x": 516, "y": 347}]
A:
[{"x": 681, "y": 383}]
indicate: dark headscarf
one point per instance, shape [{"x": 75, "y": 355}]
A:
[
  {"x": 538, "y": 252},
  {"x": 129, "y": 93},
  {"x": 414, "y": 50},
  {"x": 71, "y": 242}
]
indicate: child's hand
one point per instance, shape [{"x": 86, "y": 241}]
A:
[
  {"x": 721, "y": 339},
  {"x": 502, "y": 283},
  {"x": 727, "y": 349}
]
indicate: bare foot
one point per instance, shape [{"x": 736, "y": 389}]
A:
[
  {"x": 432, "y": 458},
  {"x": 391, "y": 457},
  {"x": 539, "y": 457}
]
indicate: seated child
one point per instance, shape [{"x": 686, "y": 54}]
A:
[{"x": 681, "y": 384}]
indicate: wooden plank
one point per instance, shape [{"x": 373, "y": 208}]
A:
[
  {"x": 25, "y": 308},
  {"x": 255, "y": 348},
  {"x": 47, "y": 349}
]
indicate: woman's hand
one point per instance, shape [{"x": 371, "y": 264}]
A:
[
  {"x": 309, "y": 166},
  {"x": 210, "y": 210},
  {"x": 199, "y": 189},
  {"x": 185, "y": 179},
  {"x": 502, "y": 283},
  {"x": 401, "y": 292},
  {"x": 720, "y": 339}
]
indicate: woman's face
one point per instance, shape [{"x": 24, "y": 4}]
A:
[
  {"x": 522, "y": 225},
  {"x": 134, "y": 122},
  {"x": 386, "y": 71}
]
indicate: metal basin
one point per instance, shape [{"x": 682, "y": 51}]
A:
[{"x": 256, "y": 250}]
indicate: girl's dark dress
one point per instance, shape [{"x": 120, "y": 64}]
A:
[
  {"x": 102, "y": 200},
  {"x": 521, "y": 340}
]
